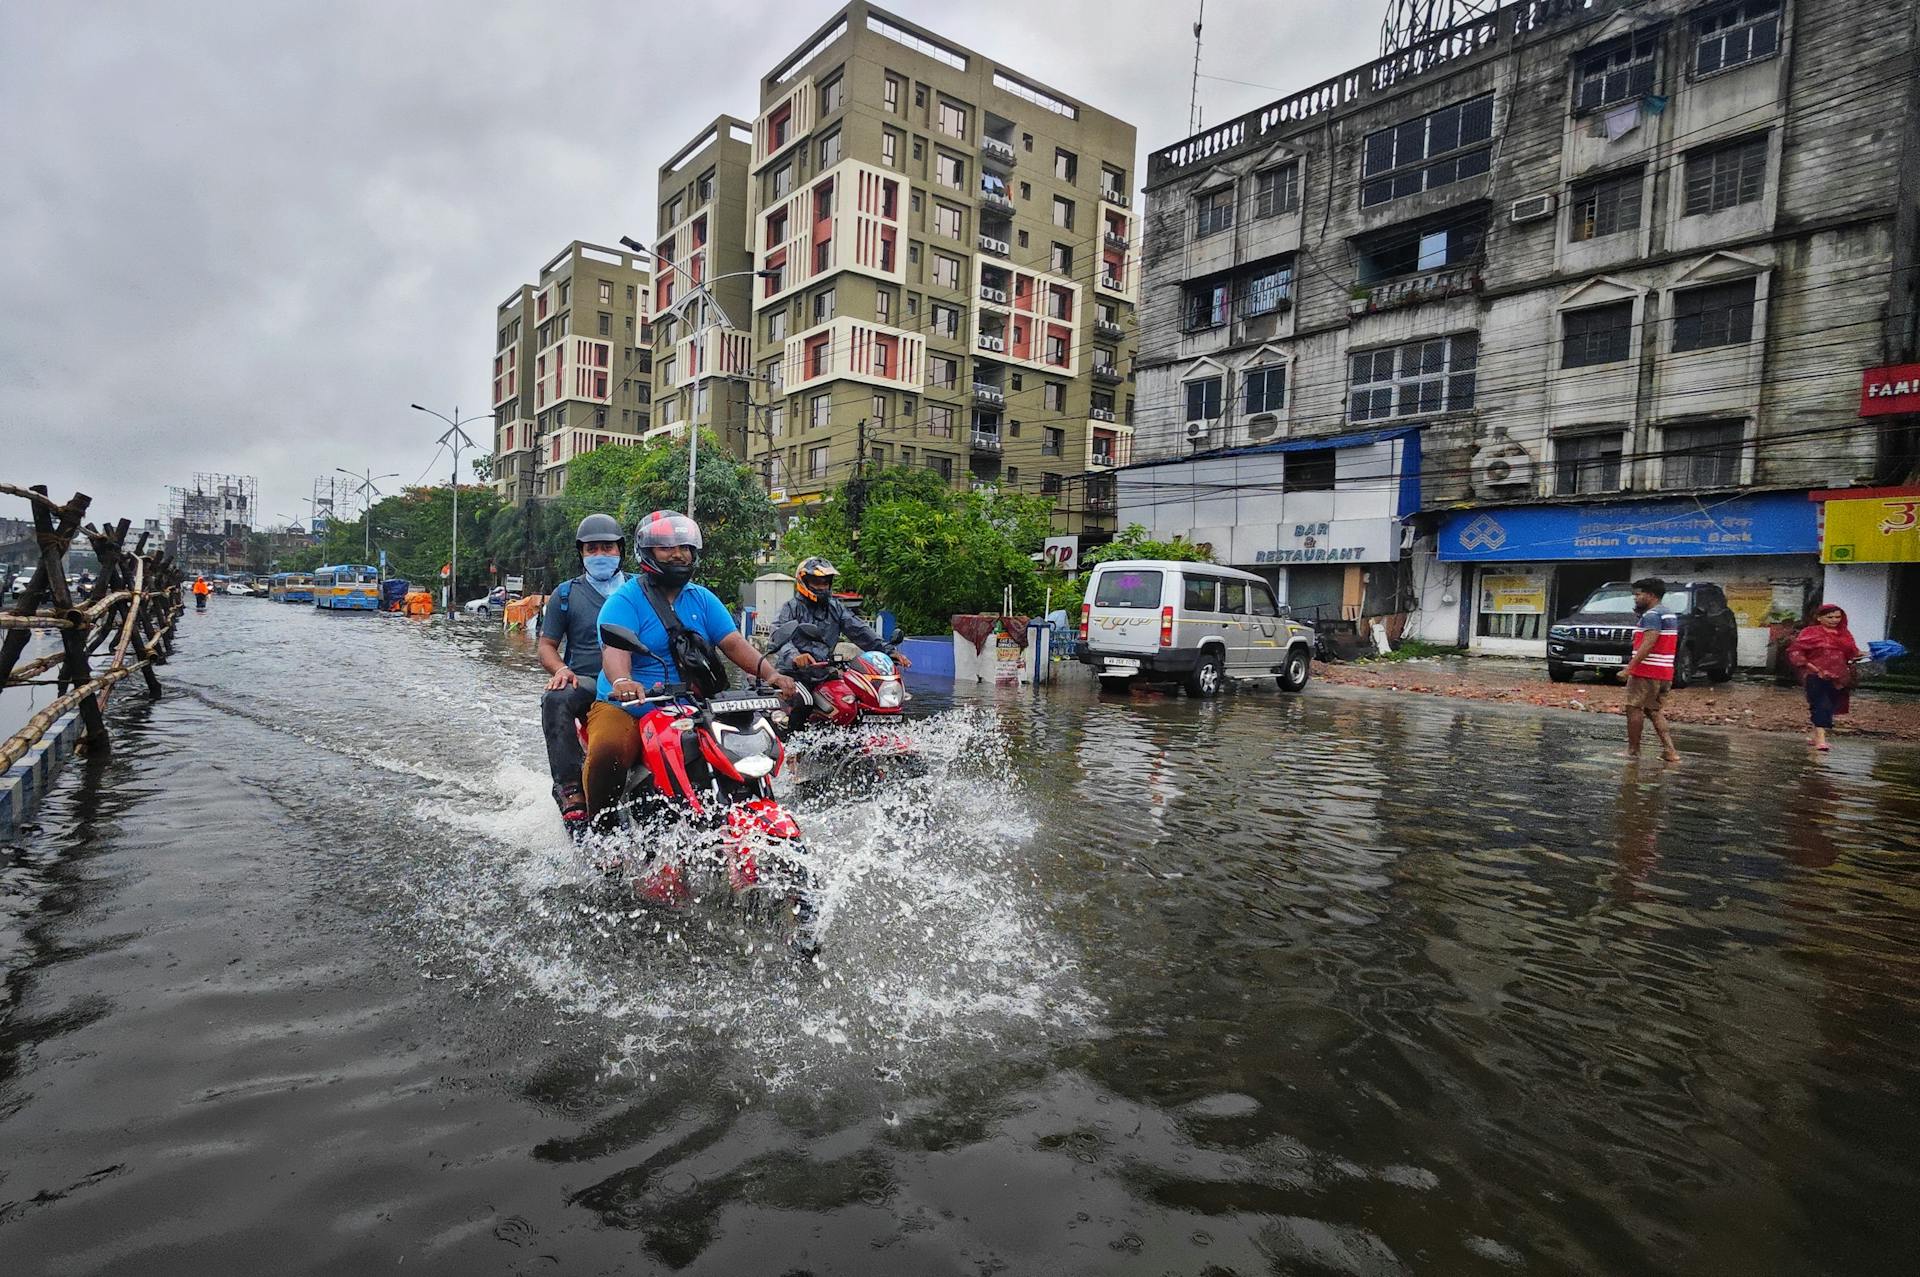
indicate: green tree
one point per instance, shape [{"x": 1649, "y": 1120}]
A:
[
  {"x": 415, "y": 528},
  {"x": 1131, "y": 543}
]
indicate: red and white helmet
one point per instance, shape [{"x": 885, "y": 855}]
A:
[{"x": 665, "y": 528}]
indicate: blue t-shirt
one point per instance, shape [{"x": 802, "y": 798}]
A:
[
  {"x": 577, "y": 630},
  {"x": 698, "y": 608}
]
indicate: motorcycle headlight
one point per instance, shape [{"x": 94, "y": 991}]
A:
[{"x": 889, "y": 694}]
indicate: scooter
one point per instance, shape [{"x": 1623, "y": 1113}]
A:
[
  {"x": 715, "y": 758},
  {"x": 864, "y": 693}
]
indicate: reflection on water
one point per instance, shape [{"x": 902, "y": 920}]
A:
[{"x": 1335, "y": 983}]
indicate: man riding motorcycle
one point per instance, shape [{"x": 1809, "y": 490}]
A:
[
  {"x": 812, "y": 624},
  {"x": 667, "y": 547},
  {"x": 572, "y": 616}
]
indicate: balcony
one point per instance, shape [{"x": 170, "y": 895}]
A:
[
  {"x": 996, "y": 344},
  {"x": 1108, "y": 280},
  {"x": 1100, "y": 414},
  {"x": 988, "y": 293},
  {"x": 1100, "y": 502},
  {"x": 1108, "y": 373},
  {"x": 994, "y": 149},
  {"x": 988, "y": 394},
  {"x": 1116, "y": 240},
  {"x": 1115, "y": 197},
  {"x": 1108, "y": 328},
  {"x": 998, "y": 247},
  {"x": 1413, "y": 290},
  {"x": 995, "y": 200},
  {"x": 986, "y": 441}
]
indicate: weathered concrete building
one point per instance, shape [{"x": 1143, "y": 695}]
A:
[
  {"x": 571, "y": 363},
  {"x": 1620, "y": 267}
]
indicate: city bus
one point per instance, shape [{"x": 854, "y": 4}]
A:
[
  {"x": 290, "y": 587},
  {"x": 347, "y": 587}
]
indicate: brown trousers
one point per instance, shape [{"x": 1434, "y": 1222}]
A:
[{"x": 613, "y": 745}]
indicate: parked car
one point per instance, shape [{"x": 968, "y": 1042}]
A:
[
  {"x": 1163, "y": 621},
  {"x": 1598, "y": 635},
  {"x": 493, "y": 604}
]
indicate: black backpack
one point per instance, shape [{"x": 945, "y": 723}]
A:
[{"x": 702, "y": 668}]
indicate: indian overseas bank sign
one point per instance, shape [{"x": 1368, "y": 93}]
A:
[{"x": 1681, "y": 528}]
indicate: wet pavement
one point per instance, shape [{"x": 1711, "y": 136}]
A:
[{"x": 302, "y": 979}]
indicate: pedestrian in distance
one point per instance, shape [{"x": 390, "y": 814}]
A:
[
  {"x": 1650, "y": 669},
  {"x": 200, "y": 591},
  {"x": 1822, "y": 657},
  {"x": 570, "y": 653}
]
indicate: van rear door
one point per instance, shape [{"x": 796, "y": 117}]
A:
[{"x": 1124, "y": 611}]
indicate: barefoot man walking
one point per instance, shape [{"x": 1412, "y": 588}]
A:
[{"x": 1650, "y": 668}]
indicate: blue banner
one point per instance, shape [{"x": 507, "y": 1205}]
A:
[{"x": 1677, "y": 528}]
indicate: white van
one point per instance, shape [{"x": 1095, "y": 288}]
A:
[{"x": 1166, "y": 621}]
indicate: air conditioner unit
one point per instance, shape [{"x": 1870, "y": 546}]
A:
[
  {"x": 1532, "y": 209},
  {"x": 1262, "y": 424},
  {"x": 1503, "y": 466},
  {"x": 1197, "y": 431}
]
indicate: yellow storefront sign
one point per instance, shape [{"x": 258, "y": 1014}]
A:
[
  {"x": 1877, "y": 529},
  {"x": 1521, "y": 593}
]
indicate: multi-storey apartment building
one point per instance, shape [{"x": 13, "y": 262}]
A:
[
  {"x": 949, "y": 256},
  {"x": 704, "y": 367},
  {"x": 1579, "y": 291},
  {"x": 571, "y": 367}
]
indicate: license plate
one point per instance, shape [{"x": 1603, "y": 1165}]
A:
[
  {"x": 749, "y": 705},
  {"x": 1606, "y": 660},
  {"x": 1122, "y": 664}
]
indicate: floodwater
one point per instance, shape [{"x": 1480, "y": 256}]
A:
[{"x": 304, "y": 980}]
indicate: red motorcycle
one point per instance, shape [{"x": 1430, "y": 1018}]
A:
[
  {"x": 865, "y": 692},
  {"x": 715, "y": 758}
]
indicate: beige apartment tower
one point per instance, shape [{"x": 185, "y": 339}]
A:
[
  {"x": 572, "y": 367},
  {"x": 948, "y": 260}
]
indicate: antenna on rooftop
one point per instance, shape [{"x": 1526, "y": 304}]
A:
[
  {"x": 1408, "y": 22},
  {"x": 1193, "y": 100}
]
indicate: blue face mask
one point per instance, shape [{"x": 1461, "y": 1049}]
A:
[{"x": 602, "y": 567}]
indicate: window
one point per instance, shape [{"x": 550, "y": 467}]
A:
[
  {"x": 1207, "y": 305},
  {"x": 1309, "y": 471},
  {"x": 1198, "y": 594},
  {"x": 906, "y": 455},
  {"x": 1266, "y": 290},
  {"x": 1061, "y": 259},
  {"x": 1063, "y": 213},
  {"x": 782, "y": 181},
  {"x": 1587, "y": 463},
  {"x": 1605, "y": 206},
  {"x": 830, "y": 150},
  {"x": 1431, "y": 244},
  {"x": 943, "y": 372},
  {"x": 1717, "y": 315},
  {"x": 566, "y": 291},
  {"x": 949, "y": 171},
  {"x": 1434, "y": 375},
  {"x": 1266, "y": 388},
  {"x": 1212, "y": 212},
  {"x": 890, "y": 93},
  {"x": 1724, "y": 176},
  {"x": 1233, "y": 598},
  {"x": 1057, "y": 350},
  {"x": 1059, "y": 303},
  {"x": 1049, "y": 484},
  {"x": 1619, "y": 73},
  {"x": 1447, "y": 146},
  {"x": 944, "y": 320},
  {"x": 946, "y": 270},
  {"x": 1013, "y": 476},
  {"x": 819, "y": 410},
  {"x": 606, "y": 324},
  {"x": 823, "y": 306},
  {"x": 890, "y": 148},
  {"x": 777, "y": 324},
  {"x": 1203, "y": 398},
  {"x": 939, "y": 421},
  {"x": 703, "y": 192},
  {"x": 952, "y": 120},
  {"x": 777, "y": 420},
  {"x": 942, "y": 466},
  {"x": 1597, "y": 335},
  {"x": 1066, "y": 166},
  {"x": 880, "y": 359},
  {"x": 1053, "y": 397},
  {"x": 1735, "y": 35},
  {"x": 833, "y": 94},
  {"x": 883, "y": 305},
  {"x": 817, "y": 462},
  {"x": 1053, "y": 441},
  {"x": 1277, "y": 190},
  {"x": 606, "y": 293},
  {"x": 1703, "y": 456},
  {"x": 946, "y": 220}
]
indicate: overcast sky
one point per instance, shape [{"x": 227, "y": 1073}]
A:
[{"x": 241, "y": 237}]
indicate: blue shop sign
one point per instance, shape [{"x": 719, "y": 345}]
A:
[{"x": 1682, "y": 528}]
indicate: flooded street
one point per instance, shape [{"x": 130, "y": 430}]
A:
[{"x": 304, "y": 979}]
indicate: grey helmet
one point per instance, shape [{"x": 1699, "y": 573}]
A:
[{"x": 600, "y": 527}]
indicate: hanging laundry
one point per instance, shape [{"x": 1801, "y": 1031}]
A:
[{"x": 1622, "y": 120}]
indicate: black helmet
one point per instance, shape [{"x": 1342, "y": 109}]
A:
[
  {"x": 600, "y": 527},
  {"x": 664, "y": 528},
  {"x": 814, "y": 579}
]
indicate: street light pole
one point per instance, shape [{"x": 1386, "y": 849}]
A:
[
  {"x": 712, "y": 308},
  {"x": 455, "y": 438}
]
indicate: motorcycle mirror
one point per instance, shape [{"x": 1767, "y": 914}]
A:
[{"x": 619, "y": 636}]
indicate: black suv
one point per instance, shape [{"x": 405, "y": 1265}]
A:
[{"x": 1599, "y": 634}]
